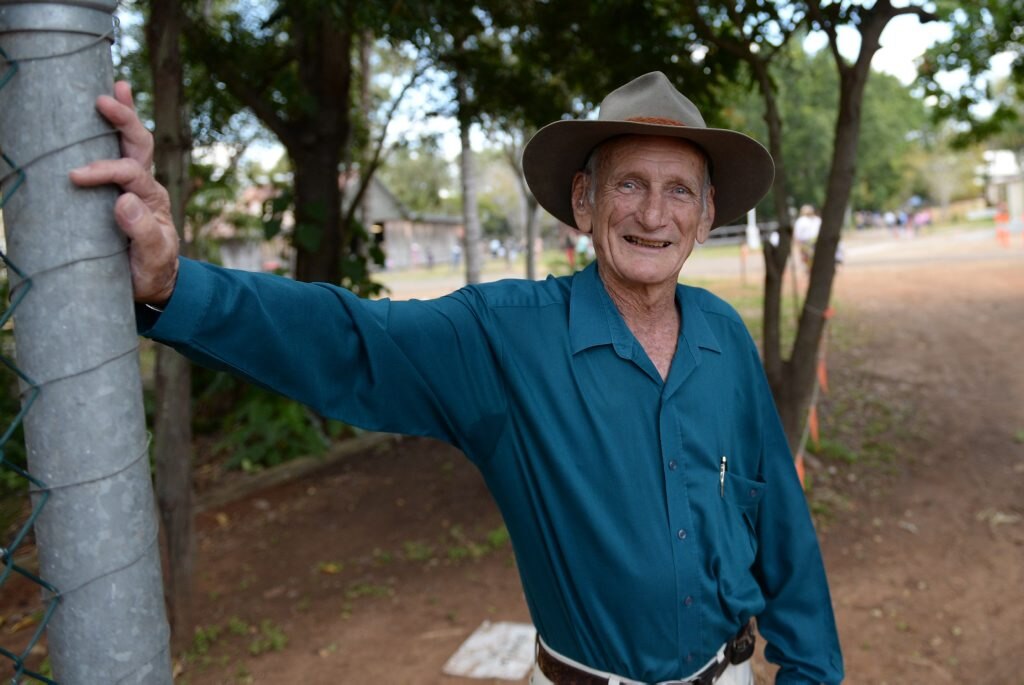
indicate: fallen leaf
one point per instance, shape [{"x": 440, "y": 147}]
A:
[
  {"x": 908, "y": 526},
  {"x": 998, "y": 518},
  {"x": 24, "y": 622}
]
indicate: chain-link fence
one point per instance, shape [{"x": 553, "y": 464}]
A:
[{"x": 18, "y": 286}]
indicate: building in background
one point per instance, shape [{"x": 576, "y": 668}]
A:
[
  {"x": 1005, "y": 185},
  {"x": 409, "y": 240}
]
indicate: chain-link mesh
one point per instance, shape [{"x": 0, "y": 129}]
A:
[{"x": 13, "y": 176}]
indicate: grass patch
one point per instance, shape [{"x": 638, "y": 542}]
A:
[
  {"x": 214, "y": 645},
  {"x": 833, "y": 450},
  {"x": 467, "y": 548},
  {"x": 416, "y": 550},
  {"x": 269, "y": 638},
  {"x": 361, "y": 589}
]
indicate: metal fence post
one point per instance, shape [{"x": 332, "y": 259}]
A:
[{"x": 75, "y": 336}]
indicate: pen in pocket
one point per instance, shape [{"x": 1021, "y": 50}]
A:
[{"x": 721, "y": 477}]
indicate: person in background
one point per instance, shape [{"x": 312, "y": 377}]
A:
[{"x": 805, "y": 233}]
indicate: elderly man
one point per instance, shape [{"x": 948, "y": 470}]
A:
[{"x": 622, "y": 421}]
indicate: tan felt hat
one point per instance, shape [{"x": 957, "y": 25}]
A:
[{"x": 741, "y": 168}]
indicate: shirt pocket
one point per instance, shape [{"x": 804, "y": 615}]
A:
[{"x": 741, "y": 502}]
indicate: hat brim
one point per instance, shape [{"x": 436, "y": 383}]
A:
[{"x": 742, "y": 170}]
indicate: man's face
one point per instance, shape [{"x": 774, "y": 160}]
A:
[{"x": 647, "y": 210}]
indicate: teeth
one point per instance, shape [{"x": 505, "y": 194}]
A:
[{"x": 646, "y": 243}]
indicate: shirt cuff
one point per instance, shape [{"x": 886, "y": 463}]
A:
[{"x": 193, "y": 292}]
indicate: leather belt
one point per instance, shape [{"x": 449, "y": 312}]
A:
[{"x": 737, "y": 650}]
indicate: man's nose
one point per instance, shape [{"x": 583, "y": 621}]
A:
[{"x": 652, "y": 211}]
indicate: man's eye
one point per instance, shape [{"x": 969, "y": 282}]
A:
[
  {"x": 681, "y": 191},
  {"x": 628, "y": 185}
]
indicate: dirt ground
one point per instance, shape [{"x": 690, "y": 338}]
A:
[{"x": 376, "y": 568}]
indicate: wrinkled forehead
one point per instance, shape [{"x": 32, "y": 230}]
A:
[{"x": 616, "y": 148}]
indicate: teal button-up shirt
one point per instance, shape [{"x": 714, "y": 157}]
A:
[{"x": 637, "y": 555}]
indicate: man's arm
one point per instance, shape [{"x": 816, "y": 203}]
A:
[
  {"x": 143, "y": 211},
  {"x": 797, "y": 621},
  {"x": 419, "y": 368}
]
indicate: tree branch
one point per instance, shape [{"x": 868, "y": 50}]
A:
[
  {"x": 373, "y": 164},
  {"x": 826, "y": 25},
  {"x": 249, "y": 92}
]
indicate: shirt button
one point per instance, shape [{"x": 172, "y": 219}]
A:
[
  {"x": 689, "y": 658},
  {"x": 753, "y": 493},
  {"x": 688, "y": 601},
  {"x": 681, "y": 534},
  {"x": 673, "y": 465}
]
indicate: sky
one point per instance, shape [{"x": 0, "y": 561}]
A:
[{"x": 903, "y": 40}]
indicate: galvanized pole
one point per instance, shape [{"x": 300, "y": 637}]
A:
[{"x": 75, "y": 336}]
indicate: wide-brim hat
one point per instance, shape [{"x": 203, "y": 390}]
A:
[{"x": 741, "y": 168}]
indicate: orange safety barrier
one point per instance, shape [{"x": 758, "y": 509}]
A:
[
  {"x": 812, "y": 413},
  {"x": 1003, "y": 229},
  {"x": 812, "y": 420},
  {"x": 823, "y": 375}
]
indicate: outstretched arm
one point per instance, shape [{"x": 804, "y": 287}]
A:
[{"x": 143, "y": 212}]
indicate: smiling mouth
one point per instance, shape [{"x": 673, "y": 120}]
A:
[{"x": 640, "y": 242}]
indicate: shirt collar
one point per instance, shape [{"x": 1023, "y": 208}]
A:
[
  {"x": 594, "y": 320},
  {"x": 696, "y": 331}
]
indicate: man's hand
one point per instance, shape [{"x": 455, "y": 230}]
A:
[{"x": 143, "y": 212}]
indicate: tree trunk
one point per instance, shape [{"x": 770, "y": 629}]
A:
[
  {"x": 798, "y": 377},
  {"x": 366, "y": 105},
  {"x": 531, "y": 223},
  {"x": 470, "y": 212},
  {"x": 312, "y": 125},
  {"x": 318, "y": 229},
  {"x": 315, "y": 148},
  {"x": 172, "y": 432},
  {"x": 532, "y": 226},
  {"x": 775, "y": 257},
  {"x": 357, "y": 239}
]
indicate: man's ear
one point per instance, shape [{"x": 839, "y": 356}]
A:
[
  {"x": 707, "y": 217},
  {"x": 581, "y": 209}
]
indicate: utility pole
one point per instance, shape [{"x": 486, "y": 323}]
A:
[{"x": 75, "y": 337}]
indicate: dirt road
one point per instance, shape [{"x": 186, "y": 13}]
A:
[{"x": 927, "y": 565}]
